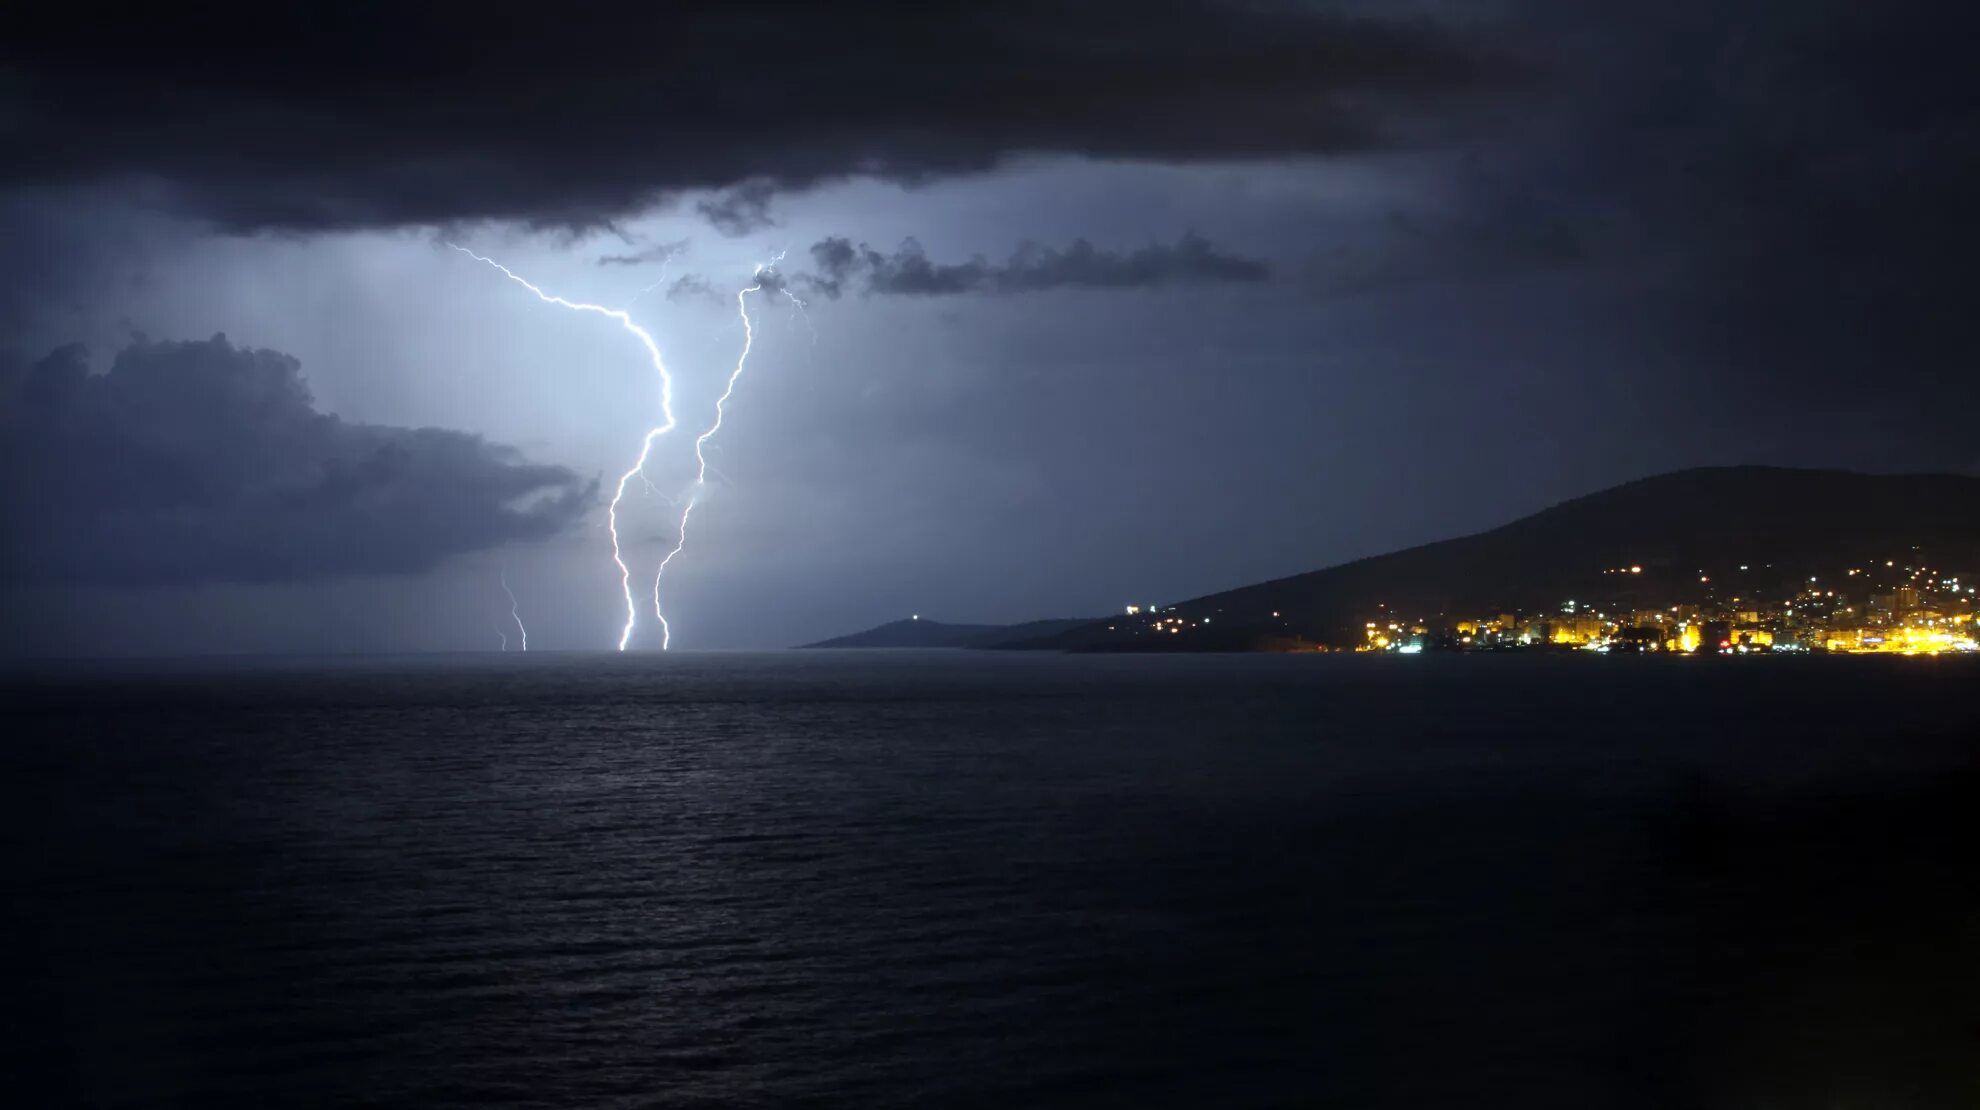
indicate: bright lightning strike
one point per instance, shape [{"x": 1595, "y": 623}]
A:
[
  {"x": 646, "y": 445},
  {"x": 700, "y": 441},
  {"x": 515, "y": 613}
]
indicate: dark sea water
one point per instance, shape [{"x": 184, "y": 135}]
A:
[{"x": 881, "y": 880}]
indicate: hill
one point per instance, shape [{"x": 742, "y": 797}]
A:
[
  {"x": 911, "y": 633},
  {"x": 1647, "y": 543}
]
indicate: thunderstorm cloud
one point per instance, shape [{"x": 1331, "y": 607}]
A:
[
  {"x": 206, "y": 462},
  {"x": 740, "y": 210},
  {"x": 692, "y": 287},
  {"x": 377, "y": 115},
  {"x": 658, "y": 252},
  {"x": 908, "y": 271}
]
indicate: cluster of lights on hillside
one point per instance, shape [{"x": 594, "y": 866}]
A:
[
  {"x": 1888, "y": 606},
  {"x": 1893, "y": 609}
]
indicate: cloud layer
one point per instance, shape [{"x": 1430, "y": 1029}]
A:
[
  {"x": 843, "y": 267},
  {"x": 202, "y": 461},
  {"x": 375, "y": 115},
  {"x": 657, "y": 252}
]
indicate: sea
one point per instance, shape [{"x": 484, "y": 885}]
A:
[{"x": 983, "y": 879}]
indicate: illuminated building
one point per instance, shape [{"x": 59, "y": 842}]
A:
[{"x": 1902, "y": 640}]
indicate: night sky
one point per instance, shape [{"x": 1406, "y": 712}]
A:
[{"x": 1108, "y": 302}]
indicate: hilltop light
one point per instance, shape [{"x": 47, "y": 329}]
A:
[{"x": 1636, "y": 570}]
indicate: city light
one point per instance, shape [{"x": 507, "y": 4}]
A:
[
  {"x": 1914, "y": 610},
  {"x": 1918, "y": 611}
]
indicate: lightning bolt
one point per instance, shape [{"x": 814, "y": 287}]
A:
[
  {"x": 514, "y": 613},
  {"x": 504, "y": 635},
  {"x": 644, "y": 290},
  {"x": 701, "y": 441},
  {"x": 646, "y": 444},
  {"x": 797, "y": 304},
  {"x": 799, "y": 307}
]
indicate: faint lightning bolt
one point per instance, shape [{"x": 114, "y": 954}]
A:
[
  {"x": 646, "y": 445},
  {"x": 700, "y": 441},
  {"x": 504, "y": 635},
  {"x": 644, "y": 290},
  {"x": 800, "y": 307},
  {"x": 515, "y": 613}
]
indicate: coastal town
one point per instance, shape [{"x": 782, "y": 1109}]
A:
[
  {"x": 1874, "y": 607},
  {"x": 1888, "y": 608}
]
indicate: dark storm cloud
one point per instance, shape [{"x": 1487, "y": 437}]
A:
[
  {"x": 1406, "y": 248},
  {"x": 1791, "y": 185},
  {"x": 740, "y": 210},
  {"x": 692, "y": 287},
  {"x": 202, "y": 461},
  {"x": 908, "y": 271},
  {"x": 658, "y": 252},
  {"x": 371, "y": 114}
]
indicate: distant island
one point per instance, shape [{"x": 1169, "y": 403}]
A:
[
  {"x": 1722, "y": 559},
  {"x": 917, "y": 633}
]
